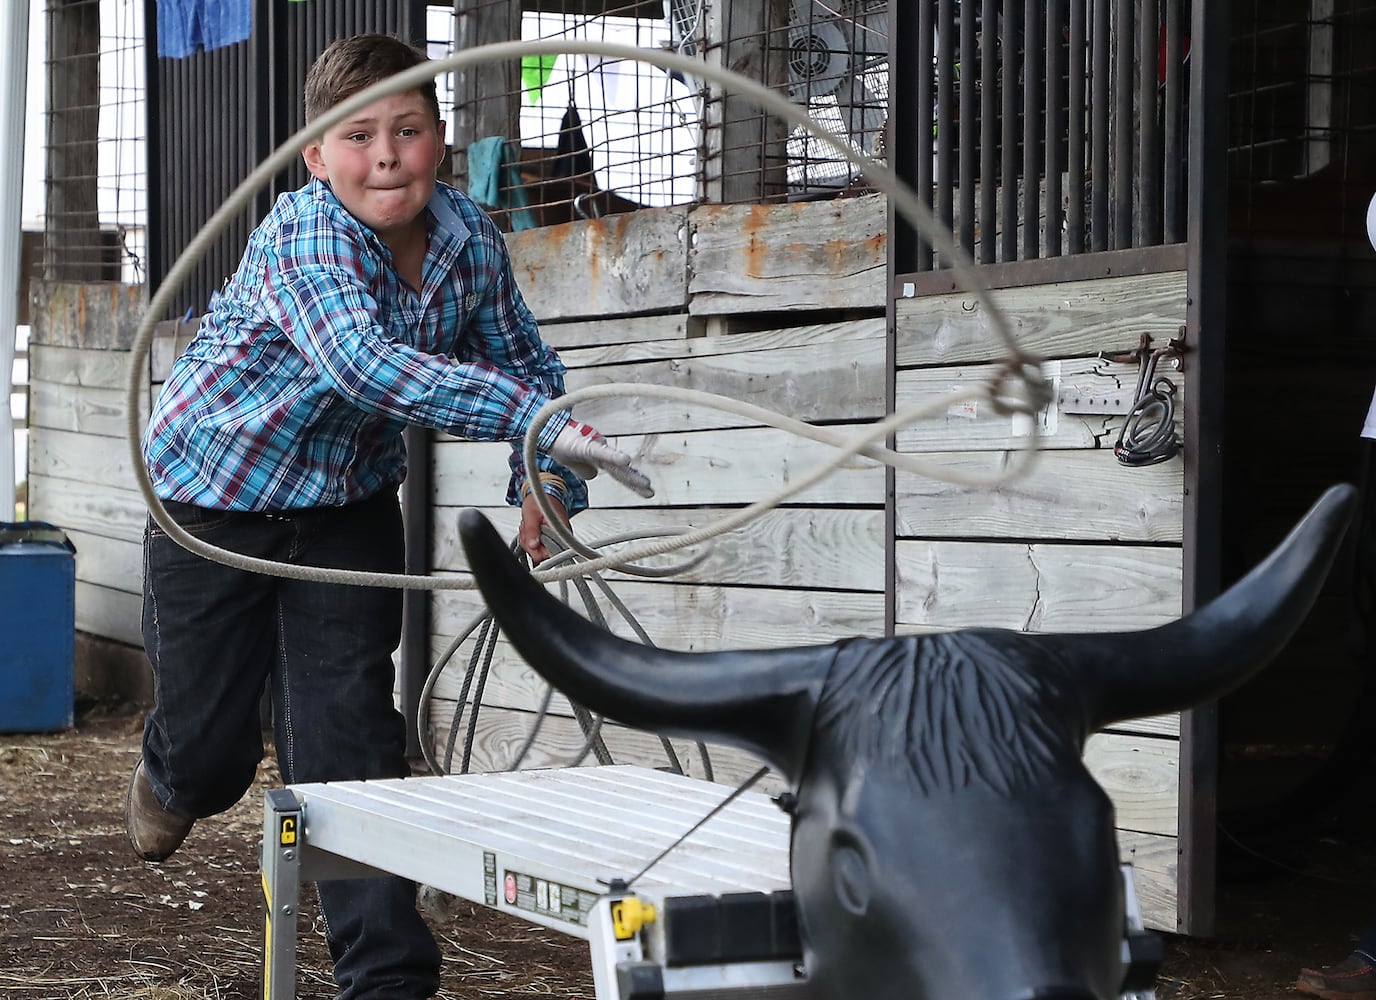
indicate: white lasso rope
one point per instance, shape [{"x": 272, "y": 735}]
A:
[{"x": 1020, "y": 388}]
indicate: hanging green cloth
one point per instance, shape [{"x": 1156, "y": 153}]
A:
[{"x": 535, "y": 71}]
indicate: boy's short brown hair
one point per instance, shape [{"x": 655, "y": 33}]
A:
[{"x": 356, "y": 63}]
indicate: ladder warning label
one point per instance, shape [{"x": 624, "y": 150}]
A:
[
  {"x": 489, "y": 878},
  {"x": 537, "y": 895}
]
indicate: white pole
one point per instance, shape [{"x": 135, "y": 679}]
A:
[{"x": 14, "y": 68}]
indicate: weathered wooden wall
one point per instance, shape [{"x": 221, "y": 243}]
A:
[
  {"x": 80, "y": 472},
  {"x": 783, "y": 306},
  {"x": 1081, "y": 543},
  {"x": 633, "y": 299}
]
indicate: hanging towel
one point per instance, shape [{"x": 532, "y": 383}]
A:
[
  {"x": 572, "y": 157},
  {"x": 185, "y": 27},
  {"x": 494, "y": 181}
]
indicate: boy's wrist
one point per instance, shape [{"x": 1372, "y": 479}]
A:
[{"x": 550, "y": 483}]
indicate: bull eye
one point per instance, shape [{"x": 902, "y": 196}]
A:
[{"x": 850, "y": 872}]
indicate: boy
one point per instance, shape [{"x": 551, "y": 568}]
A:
[{"x": 372, "y": 298}]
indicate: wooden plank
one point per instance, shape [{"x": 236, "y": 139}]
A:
[
  {"x": 107, "y": 511},
  {"x": 974, "y": 424},
  {"x": 786, "y": 258},
  {"x": 630, "y": 331},
  {"x": 790, "y": 547},
  {"x": 102, "y": 315},
  {"x": 112, "y": 614},
  {"x": 79, "y": 366},
  {"x": 82, "y": 409},
  {"x": 619, "y": 265},
  {"x": 1039, "y": 587},
  {"x": 84, "y": 458},
  {"x": 694, "y": 617},
  {"x": 108, "y": 562},
  {"x": 816, "y": 383},
  {"x": 1056, "y": 320},
  {"x": 1153, "y": 860},
  {"x": 1141, "y": 775},
  {"x": 1085, "y": 495},
  {"x": 705, "y": 467},
  {"x": 501, "y": 733},
  {"x": 512, "y": 683},
  {"x": 611, "y": 351}
]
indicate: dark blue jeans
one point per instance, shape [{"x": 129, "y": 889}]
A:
[{"x": 217, "y": 635}]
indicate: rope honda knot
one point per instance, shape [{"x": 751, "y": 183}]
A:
[{"x": 1019, "y": 386}]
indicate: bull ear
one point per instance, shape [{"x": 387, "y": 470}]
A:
[
  {"x": 1217, "y": 647},
  {"x": 760, "y": 700}
]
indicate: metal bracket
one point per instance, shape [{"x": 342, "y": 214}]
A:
[{"x": 279, "y": 857}]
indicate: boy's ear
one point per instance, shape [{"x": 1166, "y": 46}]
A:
[
  {"x": 315, "y": 160},
  {"x": 444, "y": 148}
]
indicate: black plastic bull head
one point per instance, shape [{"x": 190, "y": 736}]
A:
[{"x": 948, "y": 841}]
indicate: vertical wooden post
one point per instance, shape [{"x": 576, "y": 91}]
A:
[
  {"x": 1206, "y": 321},
  {"x": 73, "y": 229},
  {"x": 745, "y": 149},
  {"x": 486, "y": 97}
]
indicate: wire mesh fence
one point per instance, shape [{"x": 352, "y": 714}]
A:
[
  {"x": 1054, "y": 128},
  {"x": 1302, "y": 113},
  {"x": 574, "y": 136}
]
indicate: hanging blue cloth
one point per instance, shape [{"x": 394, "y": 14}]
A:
[
  {"x": 185, "y": 27},
  {"x": 494, "y": 181}
]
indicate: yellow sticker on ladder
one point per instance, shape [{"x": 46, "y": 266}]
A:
[{"x": 287, "y": 831}]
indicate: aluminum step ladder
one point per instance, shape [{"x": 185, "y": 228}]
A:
[{"x": 713, "y": 920}]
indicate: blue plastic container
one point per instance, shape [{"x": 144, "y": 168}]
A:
[{"x": 37, "y": 627}]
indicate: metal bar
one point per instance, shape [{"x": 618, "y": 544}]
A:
[
  {"x": 155, "y": 251},
  {"x": 1149, "y": 152},
  {"x": 988, "y": 132},
  {"x": 1206, "y": 326},
  {"x": 1173, "y": 214},
  {"x": 945, "y": 123},
  {"x": 903, "y": 255},
  {"x": 1008, "y": 182},
  {"x": 1031, "y": 132},
  {"x": 1122, "y": 125},
  {"x": 1051, "y": 231},
  {"x": 415, "y": 607},
  {"x": 1075, "y": 130},
  {"x": 905, "y": 122},
  {"x": 1100, "y": 114},
  {"x": 966, "y": 144},
  {"x": 922, "y": 131}
]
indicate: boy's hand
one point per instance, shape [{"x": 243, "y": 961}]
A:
[
  {"x": 532, "y": 524},
  {"x": 585, "y": 451}
]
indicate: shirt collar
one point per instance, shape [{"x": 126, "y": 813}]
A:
[{"x": 442, "y": 210}]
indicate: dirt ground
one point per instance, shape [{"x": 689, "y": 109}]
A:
[{"x": 81, "y": 918}]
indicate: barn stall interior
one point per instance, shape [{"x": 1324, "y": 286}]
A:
[{"x": 663, "y": 231}]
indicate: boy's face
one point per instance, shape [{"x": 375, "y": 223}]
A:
[{"x": 381, "y": 162}]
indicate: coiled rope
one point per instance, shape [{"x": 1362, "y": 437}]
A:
[{"x": 1019, "y": 386}]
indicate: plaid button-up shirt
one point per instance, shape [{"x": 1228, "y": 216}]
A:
[{"x": 315, "y": 355}]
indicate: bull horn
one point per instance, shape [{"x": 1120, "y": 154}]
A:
[
  {"x": 761, "y": 700},
  {"x": 1214, "y": 649}
]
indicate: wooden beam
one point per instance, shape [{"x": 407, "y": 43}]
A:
[
  {"x": 745, "y": 149},
  {"x": 486, "y": 97}
]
